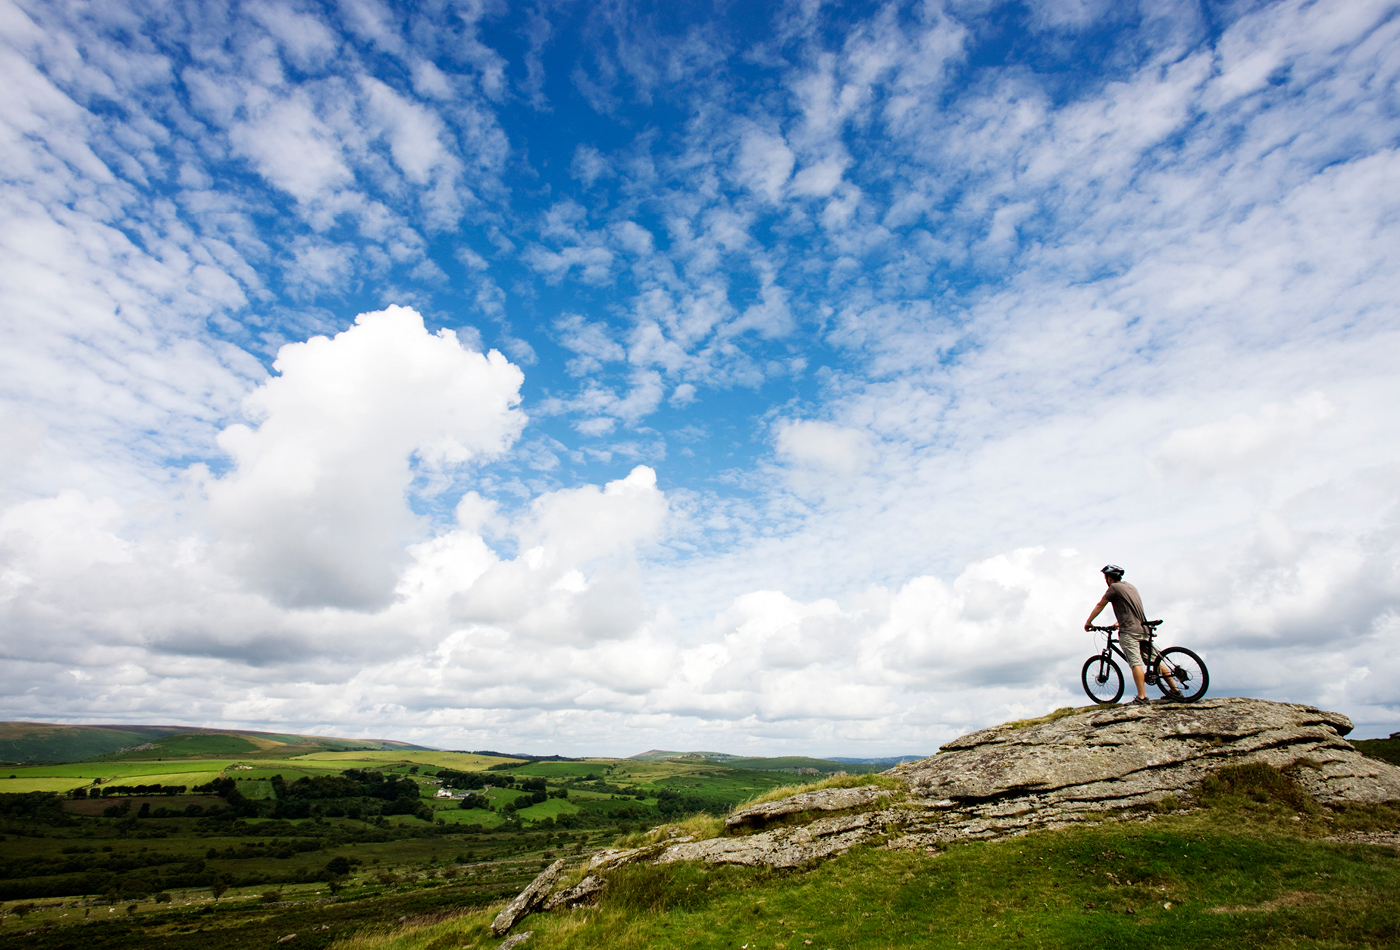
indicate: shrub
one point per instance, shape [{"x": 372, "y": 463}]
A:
[
  {"x": 271, "y": 897},
  {"x": 1255, "y": 783}
]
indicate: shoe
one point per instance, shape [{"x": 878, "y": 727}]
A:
[
  {"x": 1174, "y": 696},
  {"x": 1140, "y": 701}
]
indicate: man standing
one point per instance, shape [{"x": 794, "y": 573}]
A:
[{"x": 1127, "y": 609}]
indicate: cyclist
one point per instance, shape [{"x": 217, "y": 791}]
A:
[{"x": 1127, "y": 608}]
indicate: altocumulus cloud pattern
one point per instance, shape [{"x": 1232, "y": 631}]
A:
[{"x": 775, "y": 377}]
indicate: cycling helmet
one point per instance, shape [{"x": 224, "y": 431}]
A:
[{"x": 1112, "y": 570}]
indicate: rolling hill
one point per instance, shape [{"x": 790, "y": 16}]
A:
[
  {"x": 783, "y": 763},
  {"x": 36, "y": 742}
]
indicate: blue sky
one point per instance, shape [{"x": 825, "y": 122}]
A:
[{"x": 599, "y": 377}]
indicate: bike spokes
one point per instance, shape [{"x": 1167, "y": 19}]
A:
[
  {"x": 1102, "y": 679},
  {"x": 1189, "y": 672}
]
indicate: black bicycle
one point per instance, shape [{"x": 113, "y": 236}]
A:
[{"x": 1173, "y": 668}]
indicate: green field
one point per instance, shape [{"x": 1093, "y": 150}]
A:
[
  {"x": 259, "y": 831},
  {"x": 463, "y": 761}
]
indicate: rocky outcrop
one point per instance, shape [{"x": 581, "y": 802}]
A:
[
  {"x": 529, "y": 899},
  {"x": 1062, "y": 770},
  {"x": 823, "y": 799},
  {"x": 785, "y": 847},
  {"x": 584, "y": 892},
  {"x": 1070, "y": 766}
]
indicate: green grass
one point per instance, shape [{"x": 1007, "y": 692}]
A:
[
  {"x": 562, "y": 770},
  {"x": 461, "y": 761},
  {"x": 61, "y": 778},
  {"x": 786, "y": 763},
  {"x": 1250, "y": 869},
  {"x": 549, "y": 808},
  {"x": 33, "y": 741},
  {"x": 1387, "y": 749},
  {"x": 1105, "y": 887},
  {"x": 194, "y": 744},
  {"x": 1062, "y": 713}
]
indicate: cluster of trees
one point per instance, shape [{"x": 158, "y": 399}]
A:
[
  {"x": 44, "y": 807},
  {"x": 356, "y": 793},
  {"x": 107, "y": 791},
  {"x": 673, "y": 804},
  {"x": 471, "y": 781},
  {"x": 366, "y": 791}
]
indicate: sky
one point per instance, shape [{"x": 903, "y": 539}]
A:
[{"x": 774, "y": 378}]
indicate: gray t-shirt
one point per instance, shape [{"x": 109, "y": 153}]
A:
[{"x": 1127, "y": 607}]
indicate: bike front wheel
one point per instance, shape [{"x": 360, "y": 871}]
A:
[
  {"x": 1188, "y": 670},
  {"x": 1102, "y": 680}
]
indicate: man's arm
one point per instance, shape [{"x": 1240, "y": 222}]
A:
[{"x": 1098, "y": 609}]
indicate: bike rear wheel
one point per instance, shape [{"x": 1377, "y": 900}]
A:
[
  {"x": 1102, "y": 680},
  {"x": 1189, "y": 671}
]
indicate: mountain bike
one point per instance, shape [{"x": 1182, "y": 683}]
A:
[{"x": 1103, "y": 678}]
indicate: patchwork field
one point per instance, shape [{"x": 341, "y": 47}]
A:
[{"x": 283, "y": 820}]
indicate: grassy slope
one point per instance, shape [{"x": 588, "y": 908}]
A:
[
  {"x": 1101, "y": 887},
  {"x": 1253, "y": 867},
  {"x": 193, "y": 770},
  {"x": 720, "y": 782},
  {"x": 787, "y": 762},
  {"x": 1387, "y": 749},
  {"x": 45, "y": 742},
  {"x": 49, "y": 742}
]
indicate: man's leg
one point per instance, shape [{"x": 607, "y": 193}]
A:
[{"x": 1132, "y": 652}]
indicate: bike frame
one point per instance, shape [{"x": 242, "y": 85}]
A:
[{"x": 1151, "y": 656}]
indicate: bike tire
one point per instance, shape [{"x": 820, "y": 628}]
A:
[
  {"x": 1188, "y": 669},
  {"x": 1102, "y": 680}
]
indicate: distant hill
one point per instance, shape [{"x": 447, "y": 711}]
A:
[
  {"x": 32, "y": 742},
  {"x": 882, "y": 763},
  {"x": 784, "y": 763},
  {"x": 661, "y": 755}
]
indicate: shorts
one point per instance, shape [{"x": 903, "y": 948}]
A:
[{"x": 1129, "y": 641}]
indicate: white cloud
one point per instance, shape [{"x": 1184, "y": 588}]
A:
[
  {"x": 305, "y": 39},
  {"x": 315, "y": 512},
  {"x": 811, "y": 444},
  {"x": 589, "y": 165},
  {"x": 293, "y": 148},
  {"x": 764, "y": 163},
  {"x": 592, "y": 342},
  {"x": 1244, "y": 439}
]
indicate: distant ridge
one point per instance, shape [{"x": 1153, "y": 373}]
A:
[
  {"x": 661, "y": 755},
  {"x": 884, "y": 762},
  {"x": 520, "y": 755},
  {"x": 42, "y": 742},
  {"x": 783, "y": 763}
]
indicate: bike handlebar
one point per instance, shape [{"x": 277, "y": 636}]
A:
[{"x": 1151, "y": 626}]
